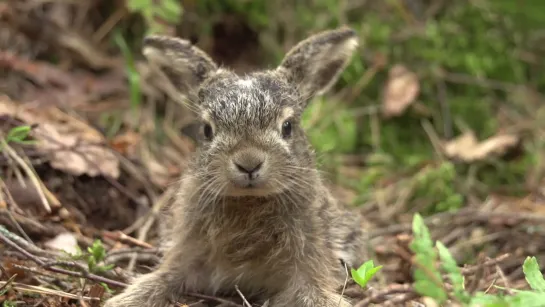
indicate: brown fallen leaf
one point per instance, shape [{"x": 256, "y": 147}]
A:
[
  {"x": 58, "y": 83},
  {"x": 126, "y": 143},
  {"x": 468, "y": 148},
  {"x": 65, "y": 241},
  {"x": 400, "y": 91},
  {"x": 70, "y": 144}
]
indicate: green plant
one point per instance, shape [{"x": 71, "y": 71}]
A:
[
  {"x": 8, "y": 303},
  {"x": 132, "y": 74},
  {"x": 18, "y": 135},
  {"x": 432, "y": 262},
  {"x": 94, "y": 256},
  {"x": 169, "y": 11},
  {"x": 365, "y": 272}
]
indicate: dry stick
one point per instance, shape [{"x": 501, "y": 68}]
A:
[
  {"x": 246, "y": 303},
  {"x": 29, "y": 173},
  {"x": 28, "y": 246},
  {"x": 42, "y": 290},
  {"x": 11, "y": 203},
  {"x": 345, "y": 282},
  {"x": 160, "y": 203},
  {"x": 396, "y": 301},
  {"x": 506, "y": 282},
  {"x": 466, "y": 215},
  {"x": 8, "y": 282},
  {"x": 50, "y": 267},
  {"x": 381, "y": 295},
  {"x": 212, "y": 298},
  {"x": 120, "y": 236},
  {"x": 487, "y": 263}
]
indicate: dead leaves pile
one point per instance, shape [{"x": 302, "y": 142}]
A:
[{"x": 71, "y": 145}]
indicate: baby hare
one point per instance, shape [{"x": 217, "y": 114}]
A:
[{"x": 251, "y": 209}]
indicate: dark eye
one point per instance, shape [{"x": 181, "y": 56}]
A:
[
  {"x": 286, "y": 129},
  {"x": 208, "y": 133}
]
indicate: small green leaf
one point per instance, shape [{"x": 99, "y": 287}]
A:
[
  {"x": 533, "y": 275},
  {"x": 364, "y": 273},
  {"x": 98, "y": 251},
  {"x": 19, "y": 134},
  {"x": 428, "y": 288},
  {"x": 91, "y": 263},
  {"x": 449, "y": 265},
  {"x": 419, "y": 228},
  {"x": 105, "y": 286}
]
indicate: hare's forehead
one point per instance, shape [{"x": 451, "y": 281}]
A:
[{"x": 252, "y": 98}]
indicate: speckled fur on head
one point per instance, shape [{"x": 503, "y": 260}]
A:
[{"x": 281, "y": 238}]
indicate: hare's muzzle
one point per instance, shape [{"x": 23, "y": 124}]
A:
[{"x": 248, "y": 168}]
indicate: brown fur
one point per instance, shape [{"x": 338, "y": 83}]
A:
[{"x": 281, "y": 239}]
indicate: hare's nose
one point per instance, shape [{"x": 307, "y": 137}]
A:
[
  {"x": 249, "y": 163},
  {"x": 251, "y": 169}
]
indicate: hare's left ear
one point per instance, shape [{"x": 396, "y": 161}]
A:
[
  {"x": 183, "y": 63},
  {"x": 316, "y": 63}
]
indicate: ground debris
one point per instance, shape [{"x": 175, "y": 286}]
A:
[
  {"x": 400, "y": 91},
  {"x": 71, "y": 144},
  {"x": 467, "y": 147}
]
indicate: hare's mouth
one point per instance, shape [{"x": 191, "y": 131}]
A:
[
  {"x": 261, "y": 188},
  {"x": 249, "y": 190}
]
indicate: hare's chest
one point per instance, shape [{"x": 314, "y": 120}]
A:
[
  {"x": 246, "y": 238},
  {"x": 255, "y": 240}
]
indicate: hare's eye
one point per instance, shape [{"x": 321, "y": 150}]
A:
[
  {"x": 286, "y": 129},
  {"x": 208, "y": 133}
]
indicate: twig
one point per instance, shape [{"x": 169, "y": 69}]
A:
[
  {"x": 119, "y": 235},
  {"x": 28, "y": 246},
  {"x": 51, "y": 267},
  {"x": 461, "y": 217},
  {"x": 42, "y": 290},
  {"x": 345, "y": 281},
  {"x": 381, "y": 296},
  {"x": 246, "y": 303},
  {"x": 8, "y": 282},
  {"x": 143, "y": 232},
  {"x": 213, "y": 298},
  {"x": 9, "y": 211},
  {"x": 506, "y": 282},
  {"x": 29, "y": 173},
  {"x": 487, "y": 263}
]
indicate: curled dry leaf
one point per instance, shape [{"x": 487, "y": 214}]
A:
[
  {"x": 468, "y": 149},
  {"x": 400, "y": 91},
  {"x": 71, "y": 144},
  {"x": 65, "y": 241}
]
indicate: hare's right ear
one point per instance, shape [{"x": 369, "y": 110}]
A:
[
  {"x": 315, "y": 64},
  {"x": 183, "y": 63}
]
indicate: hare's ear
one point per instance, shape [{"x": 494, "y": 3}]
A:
[
  {"x": 315, "y": 64},
  {"x": 183, "y": 63}
]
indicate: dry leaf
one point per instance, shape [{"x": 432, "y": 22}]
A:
[
  {"x": 126, "y": 143},
  {"x": 64, "y": 242},
  {"x": 71, "y": 145},
  {"x": 401, "y": 90},
  {"x": 467, "y": 148}
]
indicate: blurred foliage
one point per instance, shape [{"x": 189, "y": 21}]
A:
[{"x": 168, "y": 11}]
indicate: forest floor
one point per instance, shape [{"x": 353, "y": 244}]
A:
[{"x": 92, "y": 149}]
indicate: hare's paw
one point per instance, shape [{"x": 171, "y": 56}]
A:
[{"x": 147, "y": 290}]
